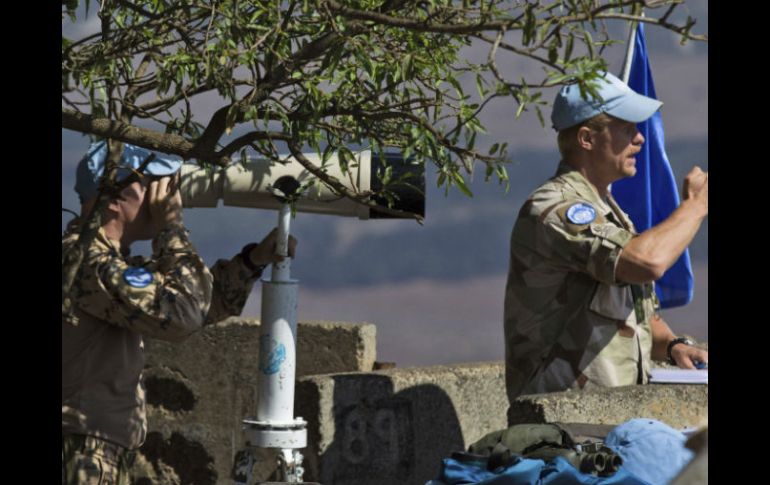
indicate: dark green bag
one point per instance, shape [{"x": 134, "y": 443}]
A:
[{"x": 578, "y": 443}]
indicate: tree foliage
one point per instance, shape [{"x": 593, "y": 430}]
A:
[{"x": 328, "y": 75}]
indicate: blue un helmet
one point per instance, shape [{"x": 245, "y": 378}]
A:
[{"x": 91, "y": 167}]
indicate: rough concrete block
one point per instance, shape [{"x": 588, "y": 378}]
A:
[
  {"x": 198, "y": 391},
  {"x": 325, "y": 347},
  {"x": 678, "y": 406},
  {"x": 395, "y": 426}
]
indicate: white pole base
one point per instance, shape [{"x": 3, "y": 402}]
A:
[{"x": 271, "y": 434}]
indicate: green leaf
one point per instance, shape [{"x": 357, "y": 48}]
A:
[
  {"x": 453, "y": 81},
  {"x": 327, "y": 153},
  {"x": 553, "y": 53},
  {"x": 460, "y": 182},
  {"x": 480, "y": 86},
  {"x": 387, "y": 175},
  {"x": 529, "y": 25},
  {"x": 406, "y": 66},
  {"x": 471, "y": 141},
  {"x": 568, "y": 47},
  {"x": 520, "y": 109},
  {"x": 560, "y": 78},
  {"x": 589, "y": 41}
]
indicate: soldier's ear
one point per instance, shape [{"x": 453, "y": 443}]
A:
[
  {"x": 585, "y": 138},
  {"x": 85, "y": 208},
  {"x": 113, "y": 205}
]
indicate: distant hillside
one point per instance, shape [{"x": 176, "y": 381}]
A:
[{"x": 462, "y": 237}]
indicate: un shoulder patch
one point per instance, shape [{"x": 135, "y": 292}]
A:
[
  {"x": 581, "y": 213},
  {"x": 137, "y": 277}
]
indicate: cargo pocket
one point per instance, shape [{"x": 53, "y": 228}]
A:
[
  {"x": 616, "y": 305},
  {"x": 88, "y": 469}
]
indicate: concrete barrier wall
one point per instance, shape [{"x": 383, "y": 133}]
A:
[
  {"x": 198, "y": 391},
  {"x": 394, "y": 427},
  {"x": 368, "y": 428},
  {"x": 679, "y": 406}
]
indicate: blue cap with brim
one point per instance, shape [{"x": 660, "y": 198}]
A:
[
  {"x": 650, "y": 449},
  {"x": 617, "y": 99},
  {"x": 91, "y": 167}
]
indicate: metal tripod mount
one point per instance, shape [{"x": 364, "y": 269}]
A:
[{"x": 275, "y": 425}]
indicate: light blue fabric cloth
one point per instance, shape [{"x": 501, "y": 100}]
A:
[
  {"x": 650, "y": 449},
  {"x": 91, "y": 167},
  {"x": 528, "y": 472}
]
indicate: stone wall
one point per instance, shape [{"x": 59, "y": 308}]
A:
[
  {"x": 198, "y": 391},
  {"x": 387, "y": 427}
]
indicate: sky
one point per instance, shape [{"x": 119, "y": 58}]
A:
[{"x": 435, "y": 291}]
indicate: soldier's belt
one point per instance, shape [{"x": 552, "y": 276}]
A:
[{"x": 111, "y": 451}]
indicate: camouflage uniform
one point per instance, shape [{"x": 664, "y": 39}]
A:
[
  {"x": 569, "y": 324},
  {"x": 119, "y": 300},
  {"x": 90, "y": 461}
]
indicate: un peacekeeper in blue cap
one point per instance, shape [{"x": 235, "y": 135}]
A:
[
  {"x": 580, "y": 306},
  {"x": 118, "y": 300}
]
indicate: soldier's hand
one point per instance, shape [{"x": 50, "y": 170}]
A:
[
  {"x": 685, "y": 356},
  {"x": 165, "y": 202},
  {"x": 696, "y": 187},
  {"x": 264, "y": 252}
]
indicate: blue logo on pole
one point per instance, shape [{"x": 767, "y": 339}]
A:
[
  {"x": 581, "y": 213},
  {"x": 137, "y": 277},
  {"x": 272, "y": 355}
]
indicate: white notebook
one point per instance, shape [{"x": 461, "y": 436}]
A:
[{"x": 679, "y": 376}]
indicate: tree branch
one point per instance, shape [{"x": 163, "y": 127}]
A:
[
  {"x": 153, "y": 140},
  {"x": 513, "y": 24},
  {"x": 218, "y": 123},
  {"x": 250, "y": 138}
]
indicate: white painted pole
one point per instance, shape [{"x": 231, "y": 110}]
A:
[
  {"x": 275, "y": 425},
  {"x": 277, "y": 339},
  {"x": 282, "y": 269},
  {"x": 277, "y": 349},
  {"x": 630, "y": 44}
]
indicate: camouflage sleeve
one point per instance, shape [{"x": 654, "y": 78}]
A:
[
  {"x": 233, "y": 282},
  {"x": 593, "y": 247},
  {"x": 166, "y": 298}
]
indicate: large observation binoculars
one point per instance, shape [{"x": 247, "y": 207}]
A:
[
  {"x": 255, "y": 183},
  {"x": 593, "y": 458}
]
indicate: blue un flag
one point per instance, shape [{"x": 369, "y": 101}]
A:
[{"x": 651, "y": 195}]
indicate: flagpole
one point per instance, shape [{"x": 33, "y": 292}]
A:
[{"x": 626, "y": 72}]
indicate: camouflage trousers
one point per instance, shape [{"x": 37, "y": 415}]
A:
[{"x": 91, "y": 461}]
